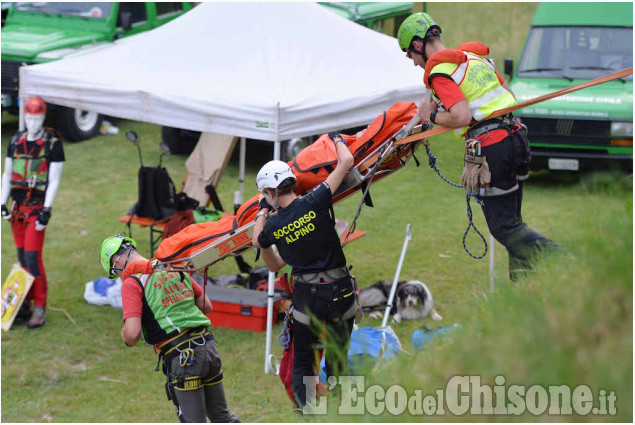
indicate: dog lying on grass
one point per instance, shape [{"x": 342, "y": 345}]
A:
[{"x": 413, "y": 300}]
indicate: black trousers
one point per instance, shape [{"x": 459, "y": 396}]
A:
[
  {"x": 507, "y": 160},
  {"x": 504, "y": 219},
  {"x": 325, "y": 303}
]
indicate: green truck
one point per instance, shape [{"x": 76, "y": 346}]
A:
[
  {"x": 36, "y": 32},
  {"x": 570, "y": 43},
  {"x": 385, "y": 17}
]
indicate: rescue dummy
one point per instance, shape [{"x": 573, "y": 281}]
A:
[{"x": 32, "y": 174}]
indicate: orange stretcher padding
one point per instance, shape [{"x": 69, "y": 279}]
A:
[{"x": 311, "y": 167}]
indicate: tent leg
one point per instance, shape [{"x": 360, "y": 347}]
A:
[
  {"x": 239, "y": 195},
  {"x": 272, "y": 276},
  {"x": 270, "y": 293},
  {"x": 491, "y": 263},
  {"x": 22, "y": 125}
]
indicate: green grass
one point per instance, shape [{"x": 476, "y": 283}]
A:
[{"x": 569, "y": 323}]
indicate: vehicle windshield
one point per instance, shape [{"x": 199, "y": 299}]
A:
[
  {"x": 86, "y": 10},
  {"x": 577, "y": 52}
]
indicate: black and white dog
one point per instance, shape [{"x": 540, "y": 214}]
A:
[{"x": 413, "y": 300}]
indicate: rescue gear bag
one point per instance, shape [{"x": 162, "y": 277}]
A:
[
  {"x": 157, "y": 195},
  {"x": 476, "y": 174}
]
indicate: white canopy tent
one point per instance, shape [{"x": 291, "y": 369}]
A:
[{"x": 266, "y": 71}]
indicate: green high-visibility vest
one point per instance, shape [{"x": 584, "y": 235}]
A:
[
  {"x": 168, "y": 305},
  {"x": 478, "y": 81}
]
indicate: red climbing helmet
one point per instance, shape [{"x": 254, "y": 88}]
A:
[{"x": 35, "y": 105}]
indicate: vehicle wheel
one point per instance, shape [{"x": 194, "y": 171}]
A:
[
  {"x": 293, "y": 147},
  {"x": 77, "y": 125},
  {"x": 627, "y": 166},
  {"x": 180, "y": 141}
]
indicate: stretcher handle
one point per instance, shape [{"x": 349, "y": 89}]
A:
[{"x": 406, "y": 129}]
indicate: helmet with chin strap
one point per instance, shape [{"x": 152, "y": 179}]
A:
[
  {"x": 109, "y": 247},
  {"x": 419, "y": 25},
  {"x": 272, "y": 174}
]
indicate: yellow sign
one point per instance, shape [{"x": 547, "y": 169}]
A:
[{"x": 14, "y": 291}]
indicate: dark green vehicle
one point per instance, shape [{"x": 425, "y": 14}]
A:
[
  {"x": 570, "y": 43},
  {"x": 36, "y": 32},
  {"x": 383, "y": 17}
]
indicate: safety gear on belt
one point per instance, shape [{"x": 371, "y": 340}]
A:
[
  {"x": 476, "y": 174},
  {"x": 5, "y": 212},
  {"x": 35, "y": 105},
  {"x": 173, "y": 346},
  {"x": 322, "y": 277},
  {"x": 109, "y": 247},
  {"x": 272, "y": 174},
  {"x": 417, "y": 25},
  {"x": 305, "y": 319},
  {"x": 506, "y": 122}
]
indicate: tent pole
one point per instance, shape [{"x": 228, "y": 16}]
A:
[
  {"x": 241, "y": 167},
  {"x": 21, "y": 125},
  {"x": 491, "y": 263},
  {"x": 272, "y": 275},
  {"x": 239, "y": 195}
]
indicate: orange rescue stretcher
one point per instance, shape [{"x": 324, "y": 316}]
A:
[
  {"x": 383, "y": 148},
  {"x": 376, "y": 156}
]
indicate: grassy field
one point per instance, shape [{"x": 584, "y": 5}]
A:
[{"x": 570, "y": 323}]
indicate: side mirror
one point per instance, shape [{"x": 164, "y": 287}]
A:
[
  {"x": 509, "y": 67},
  {"x": 126, "y": 20},
  {"x": 132, "y": 136}
]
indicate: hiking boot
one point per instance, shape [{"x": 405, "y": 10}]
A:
[
  {"x": 25, "y": 312},
  {"x": 38, "y": 318}
]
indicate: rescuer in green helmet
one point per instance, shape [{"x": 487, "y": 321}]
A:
[
  {"x": 168, "y": 310},
  {"x": 465, "y": 90}
]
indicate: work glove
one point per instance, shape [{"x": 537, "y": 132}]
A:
[
  {"x": 5, "y": 212},
  {"x": 476, "y": 174},
  {"x": 262, "y": 203},
  {"x": 43, "y": 219},
  {"x": 336, "y": 137}
]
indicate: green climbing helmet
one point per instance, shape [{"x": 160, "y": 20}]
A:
[
  {"x": 418, "y": 24},
  {"x": 109, "y": 247}
]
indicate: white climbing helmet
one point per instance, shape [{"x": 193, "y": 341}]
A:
[{"x": 272, "y": 174}]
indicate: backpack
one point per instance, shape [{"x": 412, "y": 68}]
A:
[{"x": 157, "y": 194}]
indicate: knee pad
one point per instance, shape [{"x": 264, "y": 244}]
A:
[
  {"x": 32, "y": 264},
  {"x": 21, "y": 258}
]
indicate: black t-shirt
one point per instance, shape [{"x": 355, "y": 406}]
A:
[
  {"x": 17, "y": 147},
  {"x": 304, "y": 233}
]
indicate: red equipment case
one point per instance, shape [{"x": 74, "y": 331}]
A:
[{"x": 239, "y": 308}]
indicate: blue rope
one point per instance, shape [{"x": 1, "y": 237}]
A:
[
  {"x": 284, "y": 338},
  {"x": 432, "y": 161}
]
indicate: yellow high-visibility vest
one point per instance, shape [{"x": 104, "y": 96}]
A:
[{"x": 478, "y": 81}]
